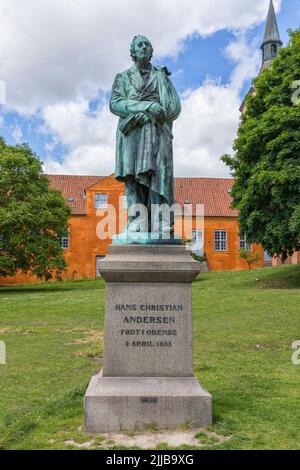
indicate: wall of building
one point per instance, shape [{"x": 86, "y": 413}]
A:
[{"x": 229, "y": 260}]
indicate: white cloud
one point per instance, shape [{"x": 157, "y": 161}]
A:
[
  {"x": 2, "y": 92},
  {"x": 205, "y": 130},
  {"x": 17, "y": 134},
  {"x": 55, "y": 51},
  {"x": 247, "y": 58},
  {"x": 210, "y": 117},
  {"x": 75, "y": 125},
  {"x": 1, "y": 121},
  {"x": 90, "y": 137}
]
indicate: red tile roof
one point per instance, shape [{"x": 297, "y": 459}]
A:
[
  {"x": 214, "y": 193},
  {"x": 73, "y": 187}
]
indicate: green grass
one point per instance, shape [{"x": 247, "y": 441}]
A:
[{"x": 244, "y": 326}]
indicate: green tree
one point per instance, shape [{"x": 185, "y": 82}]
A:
[
  {"x": 266, "y": 160},
  {"x": 32, "y": 216},
  {"x": 251, "y": 258}
]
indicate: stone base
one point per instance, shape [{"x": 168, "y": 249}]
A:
[
  {"x": 114, "y": 404},
  {"x": 145, "y": 238}
]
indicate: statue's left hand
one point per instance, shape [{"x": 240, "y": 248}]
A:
[{"x": 142, "y": 119}]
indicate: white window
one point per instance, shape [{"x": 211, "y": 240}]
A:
[
  {"x": 65, "y": 241},
  {"x": 197, "y": 242},
  {"x": 101, "y": 201},
  {"x": 244, "y": 245},
  {"x": 220, "y": 240}
]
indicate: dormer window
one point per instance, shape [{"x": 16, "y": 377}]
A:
[{"x": 101, "y": 201}]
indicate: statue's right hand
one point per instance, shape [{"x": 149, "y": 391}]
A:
[{"x": 158, "y": 111}]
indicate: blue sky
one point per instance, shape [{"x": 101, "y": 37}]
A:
[
  {"x": 44, "y": 114},
  {"x": 205, "y": 56}
]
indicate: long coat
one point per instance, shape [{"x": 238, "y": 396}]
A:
[{"x": 146, "y": 152}]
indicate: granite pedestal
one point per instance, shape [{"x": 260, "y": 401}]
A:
[{"x": 147, "y": 377}]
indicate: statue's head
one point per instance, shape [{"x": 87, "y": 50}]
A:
[{"x": 141, "y": 49}]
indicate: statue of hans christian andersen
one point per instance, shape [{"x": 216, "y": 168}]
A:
[
  {"x": 146, "y": 378},
  {"x": 147, "y": 104}
]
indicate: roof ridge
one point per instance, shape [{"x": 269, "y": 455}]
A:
[
  {"x": 203, "y": 178},
  {"x": 210, "y": 178},
  {"x": 76, "y": 176}
]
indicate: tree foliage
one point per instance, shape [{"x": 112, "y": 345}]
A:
[
  {"x": 32, "y": 216},
  {"x": 250, "y": 257},
  {"x": 266, "y": 160}
]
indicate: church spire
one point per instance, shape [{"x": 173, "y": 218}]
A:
[{"x": 272, "y": 41}]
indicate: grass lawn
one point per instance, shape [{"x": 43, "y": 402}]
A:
[{"x": 244, "y": 326}]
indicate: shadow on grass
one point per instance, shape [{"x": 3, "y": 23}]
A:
[
  {"x": 57, "y": 286},
  {"x": 202, "y": 278},
  {"x": 284, "y": 277}
]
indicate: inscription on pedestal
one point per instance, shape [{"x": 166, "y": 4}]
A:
[
  {"x": 153, "y": 331},
  {"x": 149, "y": 330}
]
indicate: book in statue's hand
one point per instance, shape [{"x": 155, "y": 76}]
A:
[{"x": 128, "y": 124}]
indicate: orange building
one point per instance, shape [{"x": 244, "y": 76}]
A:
[{"x": 91, "y": 198}]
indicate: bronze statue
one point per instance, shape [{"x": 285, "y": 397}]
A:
[{"x": 147, "y": 104}]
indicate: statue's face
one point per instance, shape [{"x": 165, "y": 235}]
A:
[{"x": 143, "y": 49}]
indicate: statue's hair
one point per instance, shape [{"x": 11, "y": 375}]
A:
[{"x": 132, "y": 47}]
